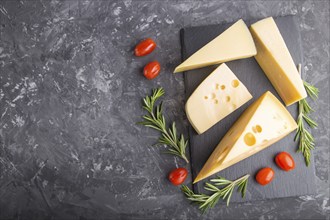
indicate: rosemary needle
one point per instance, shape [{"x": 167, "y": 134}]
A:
[{"x": 156, "y": 120}]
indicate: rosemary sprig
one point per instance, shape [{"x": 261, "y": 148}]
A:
[
  {"x": 208, "y": 201},
  {"x": 156, "y": 120},
  {"x": 306, "y": 139}
]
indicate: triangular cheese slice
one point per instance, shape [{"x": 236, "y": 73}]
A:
[
  {"x": 275, "y": 60},
  {"x": 217, "y": 96},
  {"x": 234, "y": 43},
  {"x": 265, "y": 122}
]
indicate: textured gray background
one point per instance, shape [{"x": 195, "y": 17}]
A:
[{"x": 70, "y": 93}]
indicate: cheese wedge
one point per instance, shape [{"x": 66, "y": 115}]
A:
[
  {"x": 234, "y": 43},
  {"x": 275, "y": 60},
  {"x": 217, "y": 96},
  {"x": 265, "y": 122}
]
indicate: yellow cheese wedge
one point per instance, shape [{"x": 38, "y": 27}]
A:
[
  {"x": 234, "y": 43},
  {"x": 274, "y": 58},
  {"x": 217, "y": 96},
  {"x": 265, "y": 122}
]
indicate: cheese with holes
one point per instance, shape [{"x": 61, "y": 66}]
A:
[
  {"x": 217, "y": 96},
  {"x": 263, "y": 123},
  {"x": 234, "y": 43},
  {"x": 274, "y": 58}
]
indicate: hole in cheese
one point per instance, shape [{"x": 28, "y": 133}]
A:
[
  {"x": 258, "y": 128},
  {"x": 213, "y": 95},
  {"x": 216, "y": 101},
  {"x": 233, "y": 107},
  {"x": 228, "y": 98},
  {"x": 217, "y": 86},
  {"x": 249, "y": 139},
  {"x": 205, "y": 97},
  {"x": 223, "y": 87},
  {"x": 285, "y": 125},
  {"x": 235, "y": 83}
]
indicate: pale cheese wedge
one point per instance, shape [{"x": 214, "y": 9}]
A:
[
  {"x": 265, "y": 122},
  {"x": 274, "y": 58},
  {"x": 217, "y": 96},
  {"x": 234, "y": 43}
]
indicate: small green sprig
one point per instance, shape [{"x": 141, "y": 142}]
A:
[
  {"x": 306, "y": 139},
  {"x": 209, "y": 201},
  {"x": 312, "y": 91},
  {"x": 156, "y": 120}
]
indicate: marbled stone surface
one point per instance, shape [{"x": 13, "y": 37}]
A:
[{"x": 70, "y": 92}]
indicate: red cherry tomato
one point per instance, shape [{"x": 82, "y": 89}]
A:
[
  {"x": 178, "y": 176},
  {"x": 265, "y": 176},
  {"x": 151, "y": 70},
  {"x": 144, "y": 47},
  {"x": 285, "y": 161}
]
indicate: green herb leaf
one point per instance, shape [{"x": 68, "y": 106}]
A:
[{"x": 312, "y": 91}]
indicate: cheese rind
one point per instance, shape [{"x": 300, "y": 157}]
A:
[
  {"x": 234, "y": 43},
  {"x": 265, "y": 122},
  {"x": 275, "y": 60},
  {"x": 217, "y": 96}
]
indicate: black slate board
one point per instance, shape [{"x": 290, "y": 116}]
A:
[{"x": 300, "y": 181}]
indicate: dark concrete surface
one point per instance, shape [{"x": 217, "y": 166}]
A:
[{"x": 70, "y": 92}]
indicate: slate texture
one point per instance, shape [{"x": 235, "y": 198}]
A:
[
  {"x": 251, "y": 75},
  {"x": 70, "y": 92}
]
